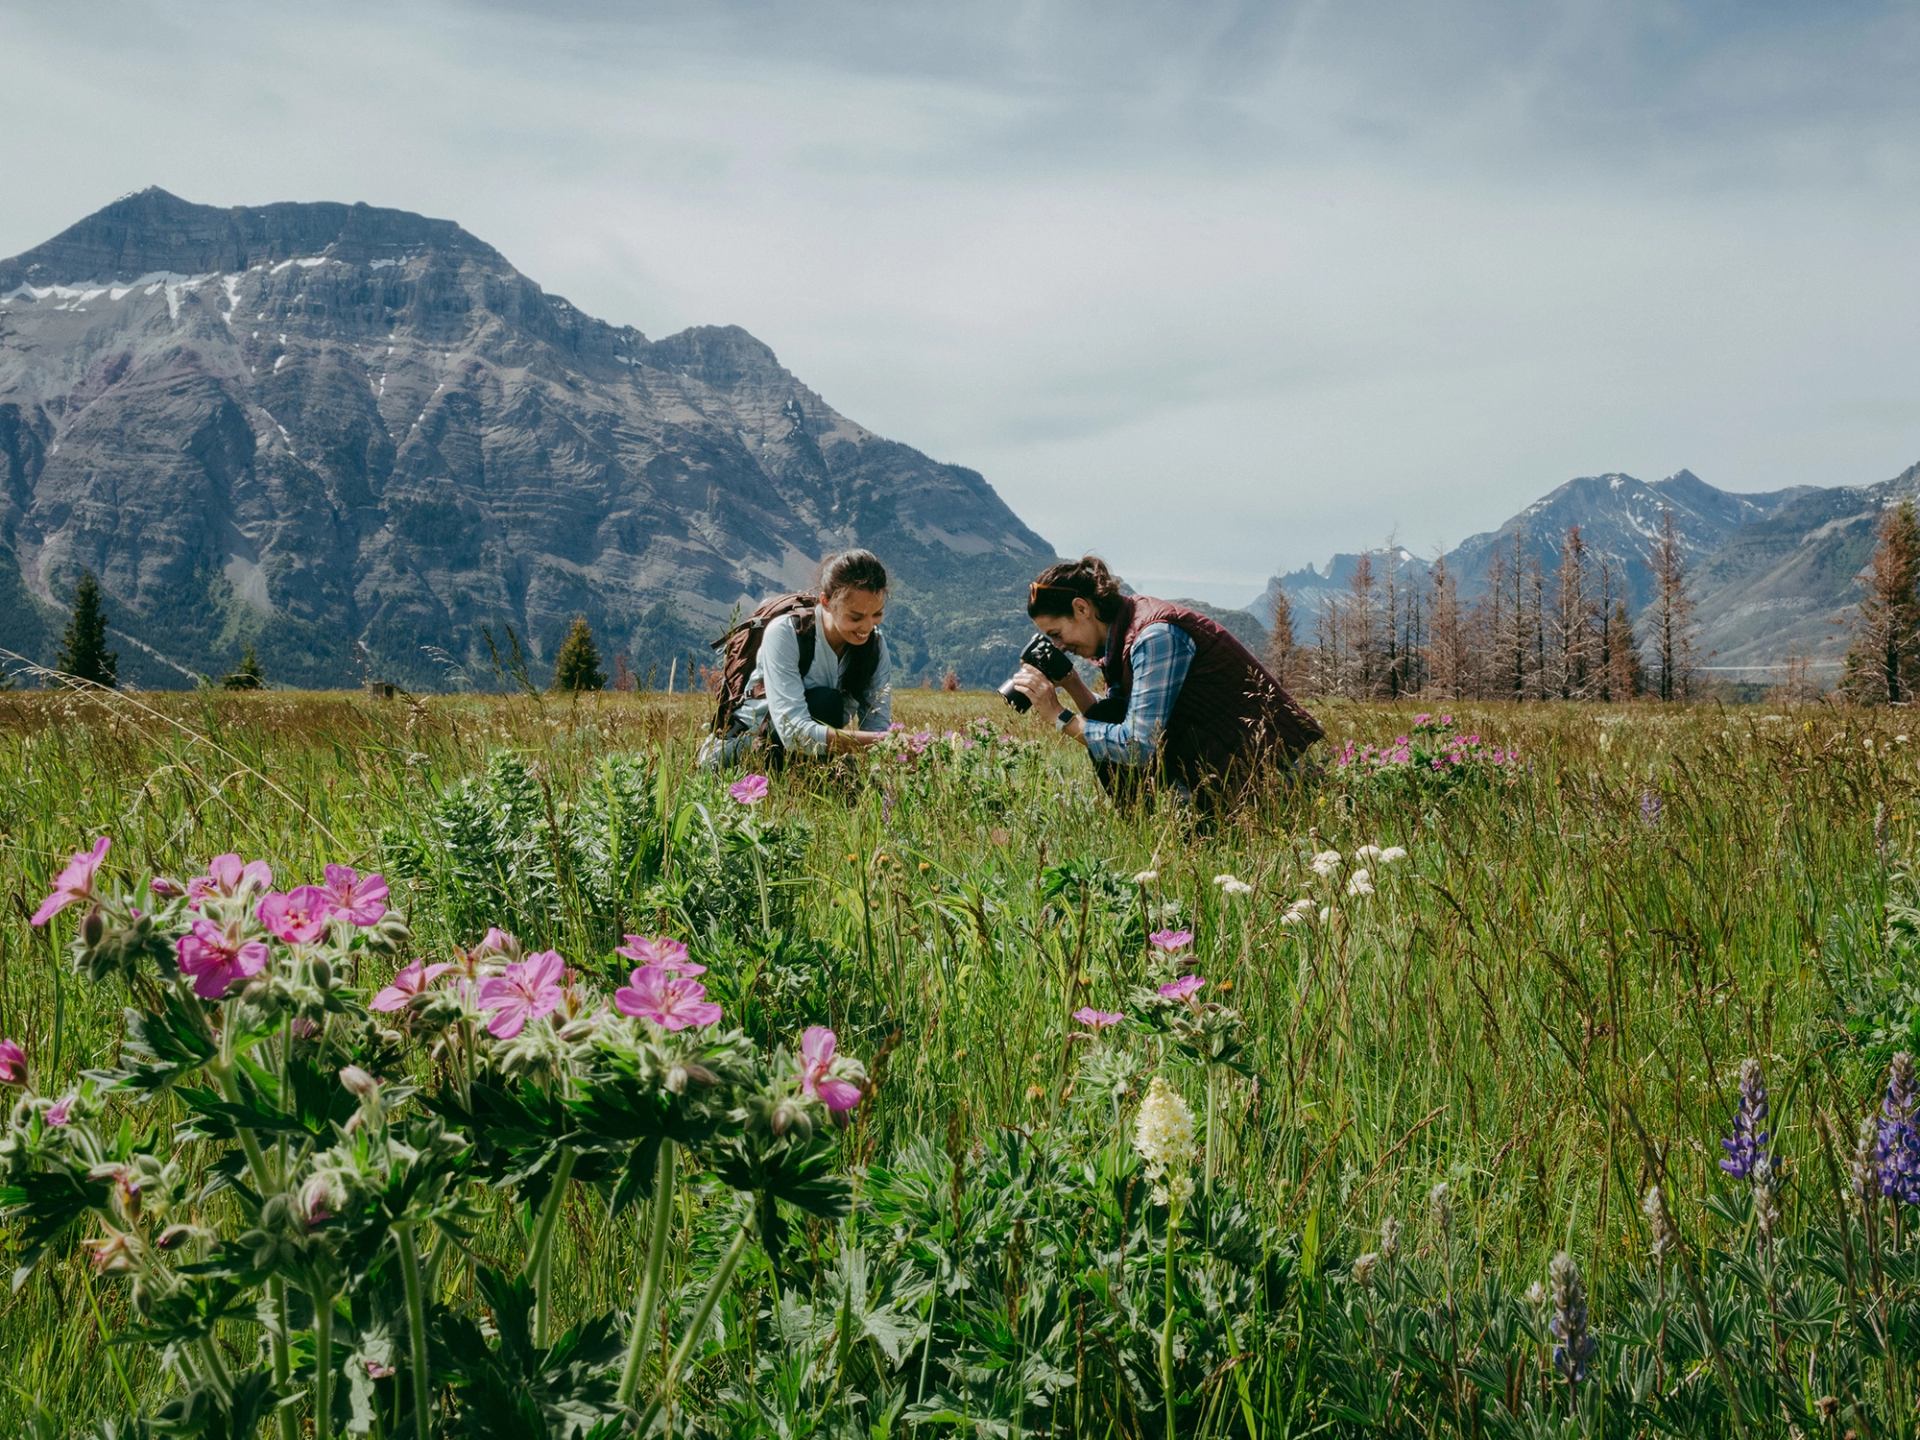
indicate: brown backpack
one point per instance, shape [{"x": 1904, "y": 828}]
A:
[{"x": 740, "y": 650}]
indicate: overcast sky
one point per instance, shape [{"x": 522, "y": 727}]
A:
[{"x": 1214, "y": 289}]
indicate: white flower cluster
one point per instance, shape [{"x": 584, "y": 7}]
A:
[
  {"x": 1163, "y": 1135},
  {"x": 1327, "y": 864},
  {"x": 1232, "y": 885}
]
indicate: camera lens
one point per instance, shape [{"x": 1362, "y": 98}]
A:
[{"x": 1015, "y": 698}]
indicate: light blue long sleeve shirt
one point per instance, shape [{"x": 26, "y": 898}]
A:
[
  {"x": 784, "y": 707},
  {"x": 1160, "y": 655}
]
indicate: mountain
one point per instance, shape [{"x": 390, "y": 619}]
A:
[
  {"x": 1773, "y": 575},
  {"x": 361, "y": 440}
]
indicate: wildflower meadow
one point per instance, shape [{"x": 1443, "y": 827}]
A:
[{"x": 479, "y": 1067}]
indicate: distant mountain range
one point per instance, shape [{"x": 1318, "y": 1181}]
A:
[
  {"x": 1773, "y": 575},
  {"x": 362, "y": 441}
]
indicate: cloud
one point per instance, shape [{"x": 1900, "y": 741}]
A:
[{"x": 1216, "y": 289}]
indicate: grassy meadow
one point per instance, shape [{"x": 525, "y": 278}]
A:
[{"x": 1544, "y": 1007}]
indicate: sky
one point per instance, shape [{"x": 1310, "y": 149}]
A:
[{"x": 1213, "y": 289}]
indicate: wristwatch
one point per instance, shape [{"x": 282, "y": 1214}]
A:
[{"x": 1064, "y": 719}]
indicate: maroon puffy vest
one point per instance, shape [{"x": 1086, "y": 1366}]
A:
[{"x": 1230, "y": 714}]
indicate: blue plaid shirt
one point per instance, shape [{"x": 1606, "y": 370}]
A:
[{"x": 1160, "y": 659}]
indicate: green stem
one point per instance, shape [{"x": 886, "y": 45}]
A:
[
  {"x": 322, "y": 1364},
  {"x": 416, "y": 1326},
  {"x": 540, "y": 1252},
  {"x": 650, "y": 1281},
  {"x": 698, "y": 1326},
  {"x": 263, "y": 1182},
  {"x": 217, "y": 1373},
  {"x": 1166, "y": 1332}
]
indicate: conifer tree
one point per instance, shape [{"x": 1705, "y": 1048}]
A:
[
  {"x": 1883, "y": 663},
  {"x": 577, "y": 666},
  {"x": 1670, "y": 617},
  {"x": 247, "y": 675},
  {"x": 1283, "y": 651},
  {"x": 83, "y": 648}
]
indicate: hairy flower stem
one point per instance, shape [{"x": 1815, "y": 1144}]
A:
[
  {"x": 416, "y": 1327},
  {"x": 264, "y": 1183},
  {"x": 650, "y": 1280},
  {"x": 539, "y": 1266},
  {"x": 697, "y": 1327},
  {"x": 1166, "y": 1331},
  {"x": 218, "y": 1375},
  {"x": 322, "y": 1365}
]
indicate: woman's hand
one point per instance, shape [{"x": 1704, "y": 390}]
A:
[
  {"x": 851, "y": 742},
  {"x": 1037, "y": 688}
]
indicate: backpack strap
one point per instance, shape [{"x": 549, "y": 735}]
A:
[{"x": 809, "y": 641}]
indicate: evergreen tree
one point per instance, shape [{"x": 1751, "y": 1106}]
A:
[
  {"x": 1883, "y": 663},
  {"x": 83, "y": 648},
  {"x": 1670, "y": 617},
  {"x": 1283, "y": 651},
  {"x": 577, "y": 667},
  {"x": 247, "y": 675}
]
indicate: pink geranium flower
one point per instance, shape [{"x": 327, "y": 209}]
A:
[
  {"x": 673, "y": 1002},
  {"x": 61, "y": 1111},
  {"x": 408, "y": 981},
  {"x": 750, "y": 791},
  {"x": 1170, "y": 941},
  {"x": 75, "y": 882},
  {"x": 356, "y": 898},
  {"x": 817, "y": 1081},
  {"x": 299, "y": 917},
  {"x": 13, "y": 1063},
  {"x": 525, "y": 992},
  {"x": 229, "y": 875},
  {"x": 1185, "y": 988},
  {"x": 659, "y": 950},
  {"x": 217, "y": 959},
  {"x": 1097, "y": 1020}
]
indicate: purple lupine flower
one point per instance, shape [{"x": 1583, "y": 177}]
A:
[
  {"x": 1650, "y": 807},
  {"x": 1574, "y": 1345},
  {"x": 1897, "y": 1148},
  {"x": 1746, "y": 1147}
]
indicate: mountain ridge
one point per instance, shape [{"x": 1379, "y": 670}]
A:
[{"x": 358, "y": 436}]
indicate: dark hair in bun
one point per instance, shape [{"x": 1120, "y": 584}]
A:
[
  {"x": 852, "y": 570},
  {"x": 1058, "y": 586}
]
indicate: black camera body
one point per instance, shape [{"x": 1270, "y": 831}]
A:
[{"x": 1046, "y": 657}]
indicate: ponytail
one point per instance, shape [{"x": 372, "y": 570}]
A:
[
  {"x": 1056, "y": 588},
  {"x": 852, "y": 570}
]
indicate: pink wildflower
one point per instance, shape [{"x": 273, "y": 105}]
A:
[
  {"x": 750, "y": 791},
  {"x": 13, "y": 1063},
  {"x": 376, "y": 1370},
  {"x": 526, "y": 992},
  {"x": 229, "y": 875},
  {"x": 1097, "y": 1020},
  {"x": 61, "y": 1111},
  {"x": 356, "y": 898},
  {"x": 1185, "y": 988},
  {"x": 217, "y": 959},
  {"x": 816, "y": 1064},
  {"x": 659, "y": 950},
  {"x": 75, "y": 882},
  {"x": 673, "y": 1002},
  {"x": 408, "y": 981},
  {"x": 1171, "y": 941},
  {"x": 298, "y": 917}
]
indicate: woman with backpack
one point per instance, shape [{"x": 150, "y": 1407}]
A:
[
  {"x": 1186, "y": 705},
  {"x": 807, "y": 674}
]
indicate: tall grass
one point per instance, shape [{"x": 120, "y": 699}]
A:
[{"x": 1544, "y": 1007}]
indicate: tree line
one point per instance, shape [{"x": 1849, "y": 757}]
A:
[{"x": 1565, "y": 632}]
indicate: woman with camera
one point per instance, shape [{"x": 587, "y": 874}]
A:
[
  {"x": 807, "y": 675},
  {"x": 1186, "y": 704}
]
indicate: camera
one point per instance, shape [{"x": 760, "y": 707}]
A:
[{"x": 1046, "y": 657}]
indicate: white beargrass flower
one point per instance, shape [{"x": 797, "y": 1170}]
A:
[
  {"x": 1360, "y": 883},
  {"x": 1163, "y": 1135},
  {"x": 1367, "y": 852},
  {"x": 1393, "y": 855},
  {"x": 1325, "y": 863},
  {"x": 1232, "y": 885}
]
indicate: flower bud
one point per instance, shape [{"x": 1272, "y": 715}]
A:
[
  {"x": 359, "y": 1081},
  {"x": 162, "y": 887},
  {"x": 93, "y": 929},
  {"x": 323, "y": 974}
]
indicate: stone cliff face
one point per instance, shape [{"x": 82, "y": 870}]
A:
[{"x": 360, "y": 439}]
